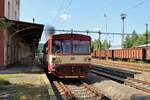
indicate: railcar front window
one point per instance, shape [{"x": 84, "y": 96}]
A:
[
  {"x": 56, "y": 47},
  {"x": 66, "y": 46},
  {"x": 80, "y": 47}
]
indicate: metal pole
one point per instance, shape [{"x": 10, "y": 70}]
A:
[
  {"x": 106, "y": 25},
  {"x": 87, "y": 32},
  {"x": 146, "y": 35},
  {"x": 123, "y": 16},
  {"x": 71, "y": 31},
  {"x": 105, "y": 21},
  {"x": 99, "y": 40},
  {"x": 33, "y": 20}
]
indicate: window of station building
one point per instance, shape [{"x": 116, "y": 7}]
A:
[
  {"x": 8, "y": 9},
  {"x": 17, "y": 3},
  {"x": 15, "y": 15}
]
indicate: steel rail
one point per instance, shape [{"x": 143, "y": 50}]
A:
[
  {"x": 135, "y": 83},
  {"x": 110, "y": 64},
  {"x": 80, "y": 91}
]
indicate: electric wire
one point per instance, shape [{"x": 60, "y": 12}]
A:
[{"x": 135, "y": 6}]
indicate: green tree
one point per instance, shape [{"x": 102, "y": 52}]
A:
[
  {"x": 97, "y": 45},
  {"x": 127, "y": 43},
  {"x": 144, "y": 36},
  {"x": 105, "y": 45},
  {"x": 141, "y": 40},
  {"x": 134, "y": 39}
]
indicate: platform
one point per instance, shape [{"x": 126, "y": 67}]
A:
[{"x": 27, "y": 81}]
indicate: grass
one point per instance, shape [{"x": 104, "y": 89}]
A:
[
  {"x": 3, "y": 84},
  {"x": 3, "y": 80},
  {"x": 9, "y": 76},
  {"x": 30, "y": 92},
  {"x": 23, "y": 91}
]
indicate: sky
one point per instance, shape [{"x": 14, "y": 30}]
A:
[{"x": 88, "y": 15}]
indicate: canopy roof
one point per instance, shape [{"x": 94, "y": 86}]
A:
[{"x": 29, "y": 32}]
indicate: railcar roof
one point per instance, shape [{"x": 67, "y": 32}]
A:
[{"x": 68, "y": 36}]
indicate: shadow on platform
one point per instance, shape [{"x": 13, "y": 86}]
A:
[{"x": 26, "y": 65}]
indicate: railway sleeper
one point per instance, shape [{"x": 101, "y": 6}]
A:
[
  {"x": 117, "y": 73},
  {"x": 113, "y": 73},
  {"x": 131, "y": 84}
]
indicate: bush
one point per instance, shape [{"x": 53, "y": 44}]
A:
[{"x": 3, "y": 84}]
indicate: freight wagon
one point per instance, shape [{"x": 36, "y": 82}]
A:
[{"x": 124, "y": 54}]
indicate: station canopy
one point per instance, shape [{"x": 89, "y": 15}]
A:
[{"x": 29, "y": 32}]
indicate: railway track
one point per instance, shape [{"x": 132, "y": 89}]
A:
[
  {"x": 78, "y": 91},
  {"x": 114, "y": 71},
  {"x": 122, "y": 65},
  {"x": 138, "y": 84},
  {"x": 130, "y": 81}
]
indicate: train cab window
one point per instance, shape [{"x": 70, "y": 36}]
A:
[
  {"x": 66, "y": 46},
  {"x": 81, "y": 47},
  {"x": 46, "y": 50},
  {"x": 56, "y": 47}
]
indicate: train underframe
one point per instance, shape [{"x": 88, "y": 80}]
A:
[{"x": 70, "y": 70}]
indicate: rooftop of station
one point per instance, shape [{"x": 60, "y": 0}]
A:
[{"x": 29, "y": 32}]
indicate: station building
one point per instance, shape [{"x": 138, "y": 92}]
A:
[{"x": 18, "y": 39}]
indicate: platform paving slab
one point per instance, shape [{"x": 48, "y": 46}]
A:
[{"x": 27, "y": 82}]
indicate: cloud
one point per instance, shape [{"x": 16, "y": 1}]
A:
[{"x": 65, "y": 17}]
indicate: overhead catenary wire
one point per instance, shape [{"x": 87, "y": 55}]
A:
[
  {"x": 67, "y": 7},
  {"x": 135, "y": 6},
  {"x": 89, "y": 32}
]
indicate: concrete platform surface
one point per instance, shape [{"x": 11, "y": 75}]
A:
[{"x": 27, "y": 81}]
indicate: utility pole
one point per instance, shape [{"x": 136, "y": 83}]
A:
[
  {"x": 33, "y": 20},
  {"x": 105, "y": 21},
  {"x": 72, "y": 31},
  {"x": 87, "y": 32},
  {"x": 99, "y": 33},
  {"x": 105, "y": 16},
  {"x": 123, "y": 17},
  {"x": 146, "y": 35}
]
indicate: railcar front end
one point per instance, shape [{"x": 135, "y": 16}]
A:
[{"x": 69, "y": 55}]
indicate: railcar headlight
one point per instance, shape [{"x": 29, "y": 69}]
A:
[
  {"x": 53, "y": 59},
  {"x": 56, "y": 60},
  {"x": 87, "y": 59}
]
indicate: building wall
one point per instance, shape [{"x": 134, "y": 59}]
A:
[
  {"x": 13, "y": 52},
  {"x": 12, "y": 9},
  {"x": 17, "y": 50},
  {"x": 1, "y": 52},
  {"x": 1, "y": 8},
  {"x": 1, "y": 47}
]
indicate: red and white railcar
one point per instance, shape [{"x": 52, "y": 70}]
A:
[
  {"x": 148, "y": 54},
  {"x": 68, "y": 55}
]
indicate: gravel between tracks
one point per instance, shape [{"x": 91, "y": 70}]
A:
[
  {"x": 145, "y": 76},
  {"x": 115, "y": 90}
]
